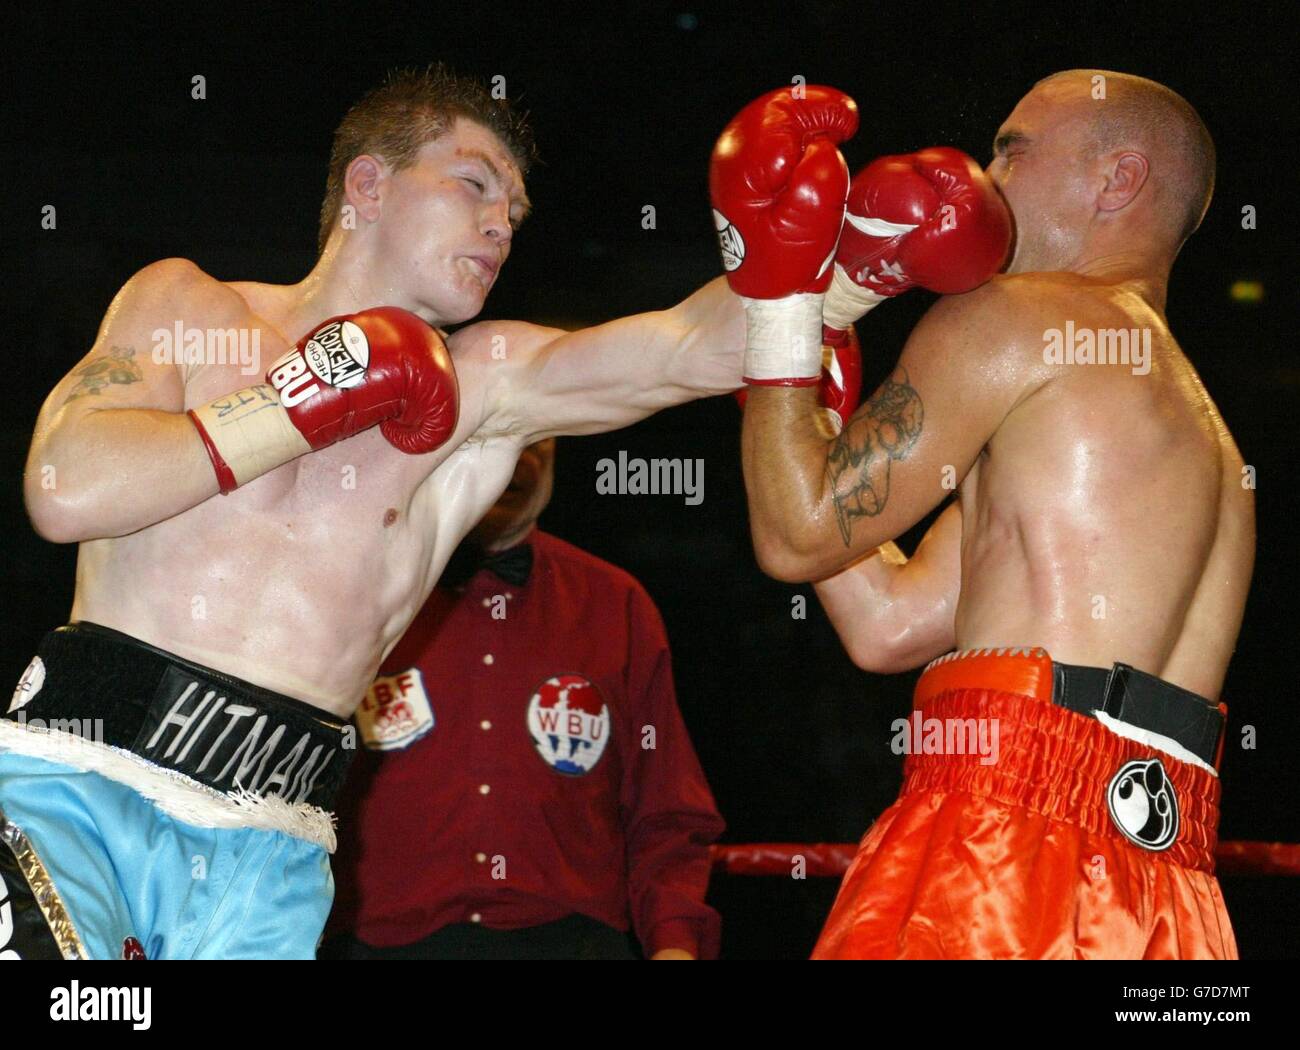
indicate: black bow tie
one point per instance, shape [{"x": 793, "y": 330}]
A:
[{"x": 513, "y": 565}]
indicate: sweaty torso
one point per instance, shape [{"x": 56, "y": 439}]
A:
[
  {"x": 1107, "y": 519},
  {"x": 303, "y": 579}
]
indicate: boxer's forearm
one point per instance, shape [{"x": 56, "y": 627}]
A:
[
  {"x": 859, "y": 601},
  {"x": 114, "y": 471},
  {"x": 706, "y": 340},
  {"x": 885, "y": 613},
  {"x": 614, "y": 374},
  {"x": 895, "y": 613},
  {"x": 790, "y": 513}
]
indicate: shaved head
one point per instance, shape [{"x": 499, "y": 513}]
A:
[
  {"x": 1097, "y": 164},
  {"x": 1134, "y": 113}
]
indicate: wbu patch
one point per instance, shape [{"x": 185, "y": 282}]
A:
[
  {"x": 569, "y": 722},
  {"x": 1143, "y": 805}
]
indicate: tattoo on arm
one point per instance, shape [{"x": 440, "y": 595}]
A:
[
  {"x": 116, "y": 366},
  {"x": 857, "y": 467}
]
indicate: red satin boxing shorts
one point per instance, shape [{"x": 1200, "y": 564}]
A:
[{"x": 1021, "y": 858}]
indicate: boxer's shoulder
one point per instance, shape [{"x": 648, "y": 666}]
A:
[
  {"x": 1001, "y": 322},
  {"x": 168, "y": 274},
  {"x": 1012, "y": 317},
  {"x": 160, "y": 291},
  {"x": 491, "y": 359},
  {"x": 1028, "y": 301},
  {"x": 1016, "y": 301}
]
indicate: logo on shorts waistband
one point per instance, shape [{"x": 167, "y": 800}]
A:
[
  {"x": 28, "y": 685},
  {"x": 1143, "y": 805}
]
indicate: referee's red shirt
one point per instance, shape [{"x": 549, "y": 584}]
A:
[{"x": 523, "y": 759}]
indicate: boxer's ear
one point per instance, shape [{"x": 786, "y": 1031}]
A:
[
  {"x": 362, "y": 184},
  {"x": 1125, "y": 178}
]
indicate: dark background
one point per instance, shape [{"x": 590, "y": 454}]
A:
[{"x": 99, "y": 121}]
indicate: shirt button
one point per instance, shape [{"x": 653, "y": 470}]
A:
[
  {"x": 480, "y": 857},
  {"x": 476, "y": 917},
  {"x": 483, "y": 789},
  {"x": 485, "y": 725},
  {"x": 487, "y": 658}
]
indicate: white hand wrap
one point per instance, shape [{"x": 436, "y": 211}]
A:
[
  {"x": 249, "y": 432},
  {"x": 784, "y": 346},
  {"x": 846, "y": 300}
]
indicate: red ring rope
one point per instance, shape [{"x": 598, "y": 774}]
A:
[{"x": 831, "y": 859}]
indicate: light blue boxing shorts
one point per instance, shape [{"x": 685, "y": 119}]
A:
[{"x": 152, "y": 808}]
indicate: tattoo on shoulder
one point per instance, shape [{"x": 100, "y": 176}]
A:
[
  {"x": 859, "y": 461},
  {"x": 116, "y": 366}
]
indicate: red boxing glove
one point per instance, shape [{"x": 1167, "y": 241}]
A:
[
  {"x": 379, "y": 366},
  {"x": 382, "y": 366},
  {"x": 778, "y": 184},
  {"x": 931, "y": 218},
  {"x": 841, "y": 386}
]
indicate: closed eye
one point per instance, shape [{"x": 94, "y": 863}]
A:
[
  {"x": 1009, "y": 143},
  {"x": 475, "y": 183}
]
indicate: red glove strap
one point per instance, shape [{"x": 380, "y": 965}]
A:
[{"x": 225, "y": 476}]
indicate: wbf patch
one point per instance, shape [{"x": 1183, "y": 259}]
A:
[
  {"x": 395, "y": 712},
  {"x": 1143, "y": 805},
  {"x": 569, "y": 723}
]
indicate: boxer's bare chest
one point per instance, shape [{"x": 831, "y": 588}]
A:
[{"x": 338, "y": 530}]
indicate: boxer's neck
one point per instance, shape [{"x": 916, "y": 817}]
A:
[
  {"x": 1148, "y": 272},
  {"x": 344, "y": 280}
]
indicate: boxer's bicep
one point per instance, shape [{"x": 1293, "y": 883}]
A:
[
  {"x": 121, "y": 370},
  {"x": 912, "y": 441},
  {"x": 923, "y": 619},
  {"x": 118, "y": 411}
]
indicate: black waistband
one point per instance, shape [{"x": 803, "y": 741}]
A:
[
  {"x": 1141, "y": 700},
  {"x": 218, "y": 729}
]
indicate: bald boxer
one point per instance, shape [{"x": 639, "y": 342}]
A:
[
  {"x": 1083, "y": 593},
  {"x": 252, "y": 545}
]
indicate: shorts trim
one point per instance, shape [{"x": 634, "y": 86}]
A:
[
  {"x": 175, "y": 794},
  {"x": 43, "y": 890}
]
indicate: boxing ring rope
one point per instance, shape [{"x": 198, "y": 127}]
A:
[{"x": 832, "y": 859}]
